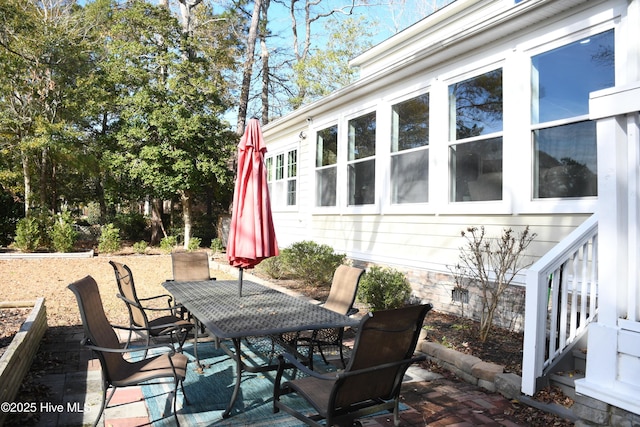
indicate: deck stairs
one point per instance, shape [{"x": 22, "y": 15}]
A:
[{"x": 569, "y": 368}]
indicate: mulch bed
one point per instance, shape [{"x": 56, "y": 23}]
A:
[{"x": 11, "y": 319}]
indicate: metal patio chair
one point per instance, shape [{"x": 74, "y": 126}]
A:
[
  {"x": 190, "y": 266},
  {"x": 342, "y": 295},
  {"x": 165, "y": 325},
  {"x": 370, "y": 383},
  {"x": 100, "y": 337}
]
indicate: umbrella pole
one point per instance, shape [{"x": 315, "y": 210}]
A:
[{"x": 240, "y": 281}]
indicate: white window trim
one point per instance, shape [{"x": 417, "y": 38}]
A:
[
  {"x": 602, "y": 22},
  {"x": 343, "y": 162},
  {"x": 273, "y": 154},
  {"x": 445, "y": 205},
  {"x": 387, "y": 207},
  {"x": 313, "y": 131}
]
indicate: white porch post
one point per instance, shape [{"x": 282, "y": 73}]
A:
[{"x": 616, "y": 112}]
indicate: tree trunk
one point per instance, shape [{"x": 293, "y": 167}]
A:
[
  {"x": 264, "y": 53},
  {"x": 186, "y": 198},
  {"x": 157, "y": 227},
  {"x": 44, "y": 166},
  {"x": 248, "y": 67},
  {"x": 27, "y": 183}
]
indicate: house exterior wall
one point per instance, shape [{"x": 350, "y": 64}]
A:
[{"x": 466, "y": 39}]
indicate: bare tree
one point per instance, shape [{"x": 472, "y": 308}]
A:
[{"x": 247, "y": 71}]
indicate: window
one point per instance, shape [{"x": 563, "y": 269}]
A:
[
  {"x": 292, "y": 173},
  {"x": 564, "y": 141},
  {"x": 361, "y": 165},
  {"x": 326, "y": 166},
  {"x": 282, "y": 177},
  {"x": 409, "y": 151},
  {"x": 475, "y": 124}
]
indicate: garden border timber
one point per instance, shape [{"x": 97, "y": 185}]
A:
[{"x": 17, "y": 359}]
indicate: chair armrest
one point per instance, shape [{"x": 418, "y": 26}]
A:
[
  {"x": 85, "y": 342},
  {"x": 292, "y": 360},
  {"x": 346, "y": 374},
  {"x": 282, "y": 365},
  {"x": 352, "y": 311},
  {"x": 167, "y": 296},
  {"x": 128, "y": 301}
]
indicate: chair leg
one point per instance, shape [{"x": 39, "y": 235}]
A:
[
  {"x": 175, "y": 407},
  {"x": 103, "y": 405},
  {"x": 184, "y": 394},
  {"x": 396, "y": 412},
  {"x": 105, "y": 401}
]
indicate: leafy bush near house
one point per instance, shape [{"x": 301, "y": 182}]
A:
[
  {"x": 311, "y": 263},
  {"x": 168, "y": 243},
  {"x": 109, "y": 240},
  {"x": 384, "y": 288},
  {"x": 62, "y": 234},
  {"x": 275, "y": 266}
]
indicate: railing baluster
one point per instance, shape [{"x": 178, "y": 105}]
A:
[{"x": 572, "y": 283}]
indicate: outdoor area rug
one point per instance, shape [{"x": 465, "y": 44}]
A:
[{"x": 210, "y": 392}]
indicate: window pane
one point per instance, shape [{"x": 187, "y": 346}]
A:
[
  {"x": 291, "y": 192},
  {"x": 279, "y": 166},
  {"x": 362, "y": 137},
  {"x": 292, "y": 164},
  {"x": 362, "y": 187},
  {"x": 564, "y": 77},
  {"x": 326, "y": 187},
  {"x": 410, "y": 177},
  {"x": 566, "y": 164},
  {"x": 476, "y": 106},
  {"x": 410, "y": 124},
  {"x": 269, "y": 166},
  {"x": 327, "y": 147},
  {"x": 477, "y": 170}
]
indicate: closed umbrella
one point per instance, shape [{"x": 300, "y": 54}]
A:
[{"x": 252, "y": 236}]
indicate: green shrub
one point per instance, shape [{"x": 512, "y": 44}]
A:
[
  {"x": 311, "y": 262},
  {"x": 384, "y": 288},
  {"x": 109, "y": 241},
  {"x": 168, "y": 243},
  {"x": 140, "y": 247},
  {"x": 62, "y": 234},
  {"x": 274, "y": 267},
  {"x": 216, "y": 245},
  {"x": 194, "y": 244},
  {"x": 28, "y": 235}
]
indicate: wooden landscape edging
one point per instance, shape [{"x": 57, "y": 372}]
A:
[{"x": 16, "y": 360}]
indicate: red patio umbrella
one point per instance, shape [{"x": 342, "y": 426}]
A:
[{"x": 252, "y": 236}]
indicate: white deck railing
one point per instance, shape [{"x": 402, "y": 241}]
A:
[{"x": 561, "y": 300}]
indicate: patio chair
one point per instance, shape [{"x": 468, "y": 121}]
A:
[
  {"x": 342, "y": 295},
  {"x": 169, "y": 324},
  {"x": 100, "y": 337},
  {"x": 371, "y": 382},
  {"x": 190, "y": 266}
]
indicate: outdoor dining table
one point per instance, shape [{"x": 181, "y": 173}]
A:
[{"x": 260, "y": 311}]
